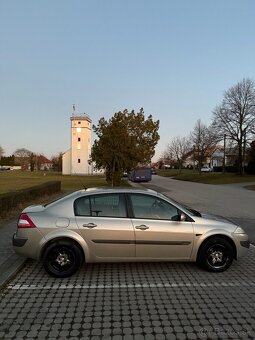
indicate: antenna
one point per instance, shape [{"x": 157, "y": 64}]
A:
[{"x": 73, "y": 109}]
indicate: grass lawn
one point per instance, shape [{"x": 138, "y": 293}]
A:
[
  {"x": 205, "y": 177},
  {"x": 17, "y": 180}
]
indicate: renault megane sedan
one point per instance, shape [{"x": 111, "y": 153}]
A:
[{"x": 124, "y": 225}]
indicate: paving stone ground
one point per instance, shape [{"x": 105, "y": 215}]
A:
[
  {"x": 9, "y": 261},
  {"x": 131, "y": 301}
]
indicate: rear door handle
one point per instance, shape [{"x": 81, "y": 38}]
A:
[
  {"x": 142, "y": 227},
  {"x": 89, "y": 225}
]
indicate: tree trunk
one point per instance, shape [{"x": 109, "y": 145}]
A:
[
  {"x": 240, "y": 158},
  {"x": 180, "y": 166}
]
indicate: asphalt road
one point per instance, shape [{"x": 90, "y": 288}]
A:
[{"x": 233, "y": 201}]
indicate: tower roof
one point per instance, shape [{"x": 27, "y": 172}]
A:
[{"x": 81, "y": 116}]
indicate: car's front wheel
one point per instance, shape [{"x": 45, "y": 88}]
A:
[
  {"x": 62, "y": 258},
  {"x": 216, "y": 254}
]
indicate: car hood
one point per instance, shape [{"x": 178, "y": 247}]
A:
[{"x": 216, "y": 218}]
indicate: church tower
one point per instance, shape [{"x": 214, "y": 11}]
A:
[{"x": 76, "y": 159}]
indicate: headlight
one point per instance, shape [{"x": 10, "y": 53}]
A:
[{"x": 239, "y": 230}]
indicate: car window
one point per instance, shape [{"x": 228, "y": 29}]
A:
[
  {"x": 82, "y": 206},
  {"x": 152, "y": 207},
  {"x": 105, "y": 205}
]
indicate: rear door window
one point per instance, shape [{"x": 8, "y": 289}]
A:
[{"x": 105, "y": 205}]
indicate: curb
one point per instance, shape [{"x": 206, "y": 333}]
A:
[{"x": 10, "y": 268}]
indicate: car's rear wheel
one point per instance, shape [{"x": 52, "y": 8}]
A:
[
  {"x": 62, "y": 258},
  {"x": 216, "y": 254}
]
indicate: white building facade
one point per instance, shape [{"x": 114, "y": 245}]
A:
[{"x": 75, "y": 161}]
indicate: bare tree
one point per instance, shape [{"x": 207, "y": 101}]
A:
[
  {"x": 204, "y": 140},
  {"x": 57, "y": 162},
  {"x": 178, "y": 148},
  {"x": 22, "y": 152},
  {"x": 235, "y": 117},
  {"x": 23, "y": 157}
]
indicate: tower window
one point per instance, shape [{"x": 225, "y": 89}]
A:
[
  {"x": 79, "y": 160},
  {"x": 79, "y": 122},
  {"x": 79, "y": 139}
]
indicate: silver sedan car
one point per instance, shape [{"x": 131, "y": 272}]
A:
[{"x": 117, "y": 225}]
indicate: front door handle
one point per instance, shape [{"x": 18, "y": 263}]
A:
[
  {"x": 142, "y": 227},
  {"x": 89, "y": 225}
]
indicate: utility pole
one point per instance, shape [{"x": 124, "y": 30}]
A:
[{"x": 224, "y": 154}]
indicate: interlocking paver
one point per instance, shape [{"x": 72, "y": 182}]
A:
[{"x": 131, "y": 301}]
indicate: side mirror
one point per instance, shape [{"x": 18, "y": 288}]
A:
[{"x": 182, "y": 217}]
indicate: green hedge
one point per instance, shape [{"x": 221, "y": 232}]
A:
[{"x": 11, "y": 200}]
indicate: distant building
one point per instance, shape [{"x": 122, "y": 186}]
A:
[
  {"x": 75, "y": 161},
  {"x": 42, "y": 163},
  {"x": 217, "y": 156},
  {"x": 36, "y": 162}
]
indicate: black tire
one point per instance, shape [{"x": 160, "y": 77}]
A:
[
  {"x": 62, "y": 258},
  {"x": 216, "y": 254}
]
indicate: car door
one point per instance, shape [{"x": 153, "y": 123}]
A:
[
  {"x": 103, "y": 223},
  {"x": 159, "y": 233}
]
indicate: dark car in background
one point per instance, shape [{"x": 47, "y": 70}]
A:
[{"x": 140, "y": 175}]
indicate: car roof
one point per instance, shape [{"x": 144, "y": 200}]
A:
[
  {"x": 115, "y": 190},
  {"x": 91, "y": 191}
]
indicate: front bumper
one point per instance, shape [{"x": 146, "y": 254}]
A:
[
  {"x": 245, "y": 244},
  {"x": 242, "y": 244}
]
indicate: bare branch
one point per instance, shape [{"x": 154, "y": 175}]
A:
[{"x": 235, "y": 117}]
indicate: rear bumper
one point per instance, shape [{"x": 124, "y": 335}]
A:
[
  {"x": 18, "y": 241},
  {"x": 26, "y": 242}
]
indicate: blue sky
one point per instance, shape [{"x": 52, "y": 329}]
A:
[{"x": 173, "y": 58}]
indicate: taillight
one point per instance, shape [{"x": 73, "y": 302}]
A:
[{"x": 25, "y": 222}]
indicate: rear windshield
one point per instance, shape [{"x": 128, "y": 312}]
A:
[{"x": 56, "y": 199}]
